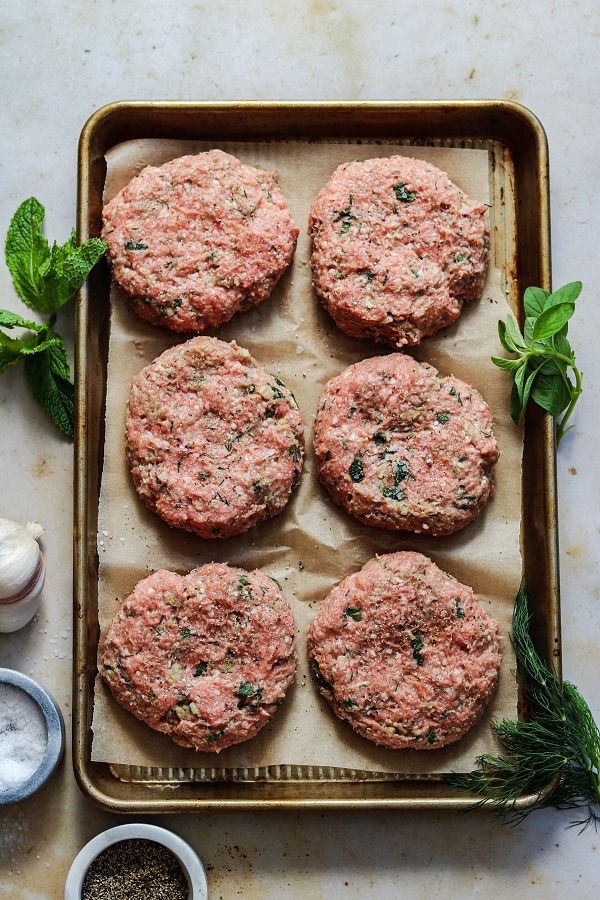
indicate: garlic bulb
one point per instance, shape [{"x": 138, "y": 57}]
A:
[{"x": 22, "y": 572}]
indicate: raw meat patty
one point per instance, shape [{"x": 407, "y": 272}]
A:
[
  {"x": 405, "y": 653},
  {"x": 403, "y": 448},
  {"x": 397, "y": 249},
  {"x": 214, "y": 443},
  {"x": 205, "y": 658},
  {"x": 197, "y": 239}
]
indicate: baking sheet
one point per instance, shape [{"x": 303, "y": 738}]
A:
[{"x": 312, "y": 544}]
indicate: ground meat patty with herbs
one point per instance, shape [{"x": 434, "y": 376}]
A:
[
  {"x": 403, "y": 448},
  {"x": 205, "y": 658},
  {"x": 197, "y": 239},
  {"x": 215, "y": 443},
  {"x": 405, "y": 653},
  {"x": 397, "y": 249}
]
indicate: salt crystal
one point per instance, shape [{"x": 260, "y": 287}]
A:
[{"x": 23, "y": 737}]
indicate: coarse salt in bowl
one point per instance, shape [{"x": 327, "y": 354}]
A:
[{"x": 32, "y": 736}]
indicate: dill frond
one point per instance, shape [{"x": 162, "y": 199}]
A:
[{"x": 560, "y": 743}]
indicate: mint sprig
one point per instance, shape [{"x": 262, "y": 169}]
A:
[
  {"x": 544, "y": 370},
  {"x": 45, "y": 278}
]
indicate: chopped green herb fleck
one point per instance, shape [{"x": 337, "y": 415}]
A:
[
  {"x": 401, "y": 472},
  {"x": 276, "y": 582},
  {"x": 248, "y": 691},
  {"x": 227, "y": 667},
  {"x": 459, "y": 257},
  {"x": 394, "y": 493},
  {"x": 200, "y": 669},
  {"x": 463, "y": 498},
  {"x": 353, "y": 612},
  {"x": 417, "y": 646},
  {"x": 345, "y": 226},
  {"x": 463, "y": 458},
  {"x": 443, "y": 417},
  {"x": 295, "y": 453},
  {"x": 459, "y": 610},
  {"x": 349, "y": 703},
  {"x": 370, "y": 276},
  {"x": 186, "y": 633},
  {"x": 431, "y": 737},
  {"x": 402, "y": 194},
  {"x": 380, "y": 438},
  {"x": 414, "y": 272},
  {"x": 135, "y": 245},
  {"x": 356, "y": 470},
  {"x": 319, "y": 678}
]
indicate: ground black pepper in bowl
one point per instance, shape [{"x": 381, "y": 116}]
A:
[{"x": 135, "y": 869}]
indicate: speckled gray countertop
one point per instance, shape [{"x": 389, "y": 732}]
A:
[{"x": 60, "y": 61}]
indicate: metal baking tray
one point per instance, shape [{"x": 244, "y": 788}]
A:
[{"x": 518, "y": 145}]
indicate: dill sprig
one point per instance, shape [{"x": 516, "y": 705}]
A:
[{"x": 559, "y": 745}]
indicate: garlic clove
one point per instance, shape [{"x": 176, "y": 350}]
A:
[
  {"x": 35, "y": 530},
  {"x": 22, "y": 569}
]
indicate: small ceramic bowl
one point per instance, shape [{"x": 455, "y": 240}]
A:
[
  {"x": 188, "y": 858},
  {"x": 56, "y": 736}
]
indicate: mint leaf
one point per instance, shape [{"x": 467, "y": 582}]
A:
[
  {"x": 10, "y": 319},
  {"x": 59, "y": 362},
  {"x": 26, "y": 250},
  {"x": 46, "y": 375},
  {"x": 12, "y": 349},
  {"x": 76, "y": 267},
  {"x": 46, "y": 277},
  {"x": 65, "y": 270}
]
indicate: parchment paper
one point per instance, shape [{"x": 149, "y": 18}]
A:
[{"x": 313, "y": 544}]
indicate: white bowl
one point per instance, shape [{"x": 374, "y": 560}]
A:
[{"x": 188, "y": 858}]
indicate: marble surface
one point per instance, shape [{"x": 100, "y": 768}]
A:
[{"x": 60, "y": 61}]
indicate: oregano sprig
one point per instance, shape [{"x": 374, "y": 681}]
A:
[
  {"x": 544, "y": 370},
  {"x": 45, "y": 278}
]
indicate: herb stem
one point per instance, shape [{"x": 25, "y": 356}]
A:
[{"x": 561, "y": 430}]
